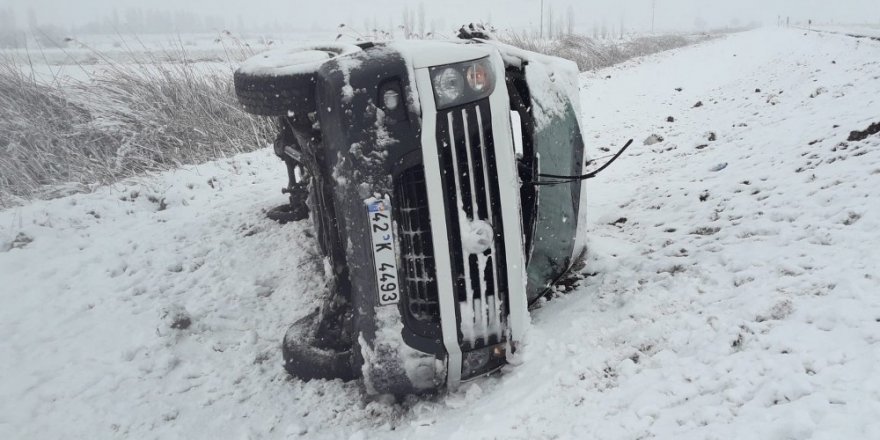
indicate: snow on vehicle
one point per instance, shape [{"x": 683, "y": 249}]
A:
[{"x": 445, "y": 182}]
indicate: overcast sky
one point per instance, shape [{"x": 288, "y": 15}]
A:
[{"x": 636, "y": 14}]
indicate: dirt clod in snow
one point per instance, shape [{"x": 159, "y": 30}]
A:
[
  {"x": 851, "y": 218},
  {"x": 21, "y": 240},
  {"x": 706, "y": 230},
  {"x": 670, "y": 119},
  {"x": 862, "y": 135},
  {"x": 158, "y": 201},
  {"x": 779, "y": 311},
  {"x": 711, "y": 137},
  {"x": 737, "y": 343},
  {"x": 719, "y": 167},
  {"x": 672, "y": 270},
  {"x": 620, "y": 221},
  {"x": 177, "y": 317},
  {"x": 698, "y": 104},
  {"x": 653, "y": 139}
]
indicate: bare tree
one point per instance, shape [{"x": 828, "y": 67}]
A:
[
  {"x": 409, "y": 22},
  {"x": 10, "y": 36},
  {"x": 550, "y": 20},
  {"x": 570, "y": 19},
  {"x": 541, "y": 21},
  {"x": 405, "y": 25},
  {"x": 560, "y": 26},
  {"x": 421, "y": 20}
]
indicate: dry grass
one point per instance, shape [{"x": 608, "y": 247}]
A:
[
  {"x": 128, "y": 119},
  {"x": 590, "y": 54}
]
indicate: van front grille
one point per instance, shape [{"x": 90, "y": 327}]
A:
[{"x": 473, "y": 215}]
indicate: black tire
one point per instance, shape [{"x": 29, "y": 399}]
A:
[
  {"x": 282, "y": 81},
  {"x": 286, "y": 213},
  {"x": 312, "y": 351}
]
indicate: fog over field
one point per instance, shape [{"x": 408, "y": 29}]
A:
[{"x": 638, "y": 15}]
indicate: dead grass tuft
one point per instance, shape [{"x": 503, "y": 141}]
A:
[{"x": 132, "y": 117}]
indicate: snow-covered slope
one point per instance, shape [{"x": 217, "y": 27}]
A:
[
  {"x": 863, "y": 30},
  {"x": 734, "y": 287}
]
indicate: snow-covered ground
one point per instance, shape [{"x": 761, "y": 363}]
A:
[{"x": 734, "y": 290}]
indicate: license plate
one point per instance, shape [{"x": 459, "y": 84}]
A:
[{"x": 384, "y": 255}]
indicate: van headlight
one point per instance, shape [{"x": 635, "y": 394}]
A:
[{"x": 460, "y": 83}]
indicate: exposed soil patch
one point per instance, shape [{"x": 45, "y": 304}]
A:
[
  {"x": 653, "y": 139},
  {"x": 21, "y": 240},
  {"x": 706, "y": 230},
  {"x": 861, "y": 135},
  {"x": 620, "y": 221}
]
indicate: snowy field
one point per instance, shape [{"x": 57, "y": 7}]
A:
[
  {"x": 81, "y": 57},
  {"x": 734, "y": 288}
]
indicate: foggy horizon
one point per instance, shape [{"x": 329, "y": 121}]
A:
[{"x": 128, "y": 16}]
